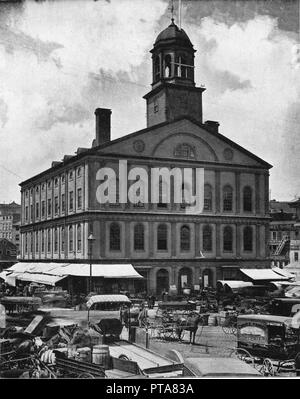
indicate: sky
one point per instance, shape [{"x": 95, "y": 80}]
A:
[{"x": 62, "y": 59}]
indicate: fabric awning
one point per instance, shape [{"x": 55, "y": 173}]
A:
[
  {"x": 107, "y": 299},
  {"x": 283, "y": 272},
  {"x": 51, "y": 273},
  {"x": 235, "y": 284},
  {"x": 105, "y": 271},
  {"x": 262, "y": 274},
  {"x": 46, "y": 279}
]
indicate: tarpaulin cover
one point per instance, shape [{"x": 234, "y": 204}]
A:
[
  {"x": 262, "y": 274},
  {"x": 107, "y": 299}
]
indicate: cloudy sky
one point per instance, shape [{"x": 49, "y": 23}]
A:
[{"x": 61, "y": 59}]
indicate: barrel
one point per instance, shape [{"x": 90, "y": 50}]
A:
[
  {"x": 101, "y": 355},
  {"x": 84, "y": 354},
  {"x": 48, "y": 357}
]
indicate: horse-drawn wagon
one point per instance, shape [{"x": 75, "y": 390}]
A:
[{"x": 272, "y": 343}]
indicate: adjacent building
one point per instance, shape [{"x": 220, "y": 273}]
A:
[
  {"x": 169, "y": 246},
  {"x": 10, "y": 217}
]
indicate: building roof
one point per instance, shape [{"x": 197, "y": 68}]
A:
[
  {"x": 95, "y": 150},
  {"x": 282, "y": 207},
  {"x": 173, "y": 34}
]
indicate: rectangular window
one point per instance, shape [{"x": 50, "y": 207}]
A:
[
  {"x": 31, "y": 212},
  {"x": 62, "y": 239},
  {"x": 26, "y": 213},
  {"x": 79, "y": 198},
  {"x": 31, "y": 243},
  {"x": 71, "y": 200},
  {"x": 63, "y": 203},
  {"x": 56, "y": 240},
  {"x": 43, "y": 240},
  {"x": 49, "y": 207},
  {"x": 56, "y": 205},
  {"x": 49, "y": 241},
  {"x": 43, "y": 209},
  {"x": 36, "y": 241},
  {"x": 70, "y": 239},
  {"x": 296, "y": 257},
  {"x": 37, "y": 210},
  {"x": 79, "y": 238}
]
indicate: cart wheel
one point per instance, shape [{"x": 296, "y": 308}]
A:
[
  {"x": 226, "y": 329},
  {"x": 86, "y": 375},
  {"x": 233, "y": 330},
  {"x": 124, "y": 357},
  {"x": 268, "y": 368},
  {"x": 243, "y": 355}
]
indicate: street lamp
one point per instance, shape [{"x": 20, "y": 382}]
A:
[{"x": 91, "y": 240}]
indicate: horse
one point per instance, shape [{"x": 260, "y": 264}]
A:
[{"x": 190, "y": 323}]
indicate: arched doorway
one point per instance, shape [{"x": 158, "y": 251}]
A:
[
  {"x": 185, "y": 279},
  {"x": 162, "y": 281},
  {"x": 207, "y": 278}
]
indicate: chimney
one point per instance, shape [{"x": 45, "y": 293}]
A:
[
  {"x": 102, "y": 126},
  {"x": 213, "y": 126}
]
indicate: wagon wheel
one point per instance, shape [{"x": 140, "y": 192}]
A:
[
  {"x": 268, "y": 368},
  {"x": 233, "y": 330},
  {"x": 124, "y": 357},
  {"x": 243, "y": 355},
  {"x": 168, "y": 332},
  {"x": 226, "y": 329},
  {"x": 86, "y": 375}
]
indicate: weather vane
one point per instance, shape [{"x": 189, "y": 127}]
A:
[{"x": 172, "y": 10}]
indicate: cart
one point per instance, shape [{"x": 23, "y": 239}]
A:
[
  {"x": 20, "y": 304},
  {"x": 270, "y": 342}
]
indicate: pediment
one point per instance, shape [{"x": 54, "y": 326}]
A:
[{"x": 183, "y": 139}]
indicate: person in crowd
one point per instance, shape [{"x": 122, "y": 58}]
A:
[
  {"x": 149, "y": 302},
  {"x": 142, "y": 317},
  {"x": 25, "y": 290},
  {"x": 153, "y": 299}
]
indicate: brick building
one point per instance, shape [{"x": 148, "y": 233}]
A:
[{"x": 165, "y": 244}]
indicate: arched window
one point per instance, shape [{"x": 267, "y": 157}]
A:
[
  {"x": 185, "y": 238},
  {"x": 71, "y": 239},
  {"x": 207, "y": 238},
  {"x": 181, "y": 68},
  {"x": 227, "y": 239},
  {"x": 248, "y": 238},
  {"x": 156, "y": 69},
  {"x": 247, "y": 199},
  {"x": 115, "y": 237},
  {"x": 139, "y": 239},
  {"x": 167, "y": 68},
  {"x": 207, "y": 197},
  {"x": 79, "y": 237},
  {"x": 162, "y": 237},
  {"x": 227, "y": 198}
]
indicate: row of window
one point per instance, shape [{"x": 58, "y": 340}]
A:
[
  {"x": 43, "y": 240},
  {"x": 228, "y": 198},
  {"x": 185, "y": 238},
  {"x": 70, "y": 175},
  {"x": 139, "y": 238},
  {"x": 40, "y": 209}
]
